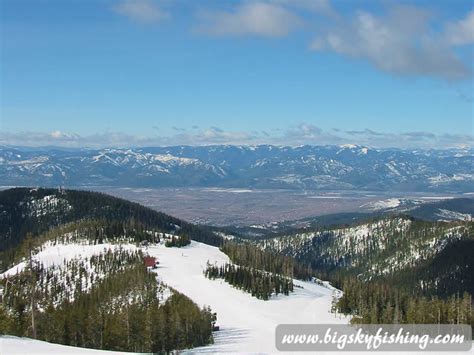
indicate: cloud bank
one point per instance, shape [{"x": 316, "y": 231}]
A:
[{"x": 303, "y": 133}]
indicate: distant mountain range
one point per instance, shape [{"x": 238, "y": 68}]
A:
[{"x": 348, "y": 167}]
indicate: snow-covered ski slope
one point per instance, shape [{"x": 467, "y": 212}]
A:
[
  {"x": 246, "y": 323},
  {"x": 10, "y": 345}
]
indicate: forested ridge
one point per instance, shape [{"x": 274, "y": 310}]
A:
[
  {"x": 107, "y": 301},
  {"x": 26, "y": 211},
  {"x": 116, "y": 307},
  {"x": 246, "y": 254},
  {"x": 391, "y": 269},
  {"x": 430, "y": 257}
]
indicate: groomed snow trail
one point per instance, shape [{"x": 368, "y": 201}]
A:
[
  {"x": 10, "y": 345},
  {"x": 247, "y": 324}
]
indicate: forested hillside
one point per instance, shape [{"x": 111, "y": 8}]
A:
[
  {"x": 106, "y": 301},
  {"x": 417, "y": 253},
  {"x": 78, "y": 274},
  {"x": 392, "y": 269},
  {"x": 26, "y": 211}
]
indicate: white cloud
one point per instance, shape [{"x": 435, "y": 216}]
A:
[
  {"x": 461, "y": 32},
  {"x": 317, "y": 6},
  {"x": 142, "y": 11},
  {"x": 399, "y": 42},
  {"x": 303, "y": 133},
  {"x": 253, "y": 18},
  {"x": 56, "y": 134}
]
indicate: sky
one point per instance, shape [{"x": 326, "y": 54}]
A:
[{"x": 90, "y": 73}]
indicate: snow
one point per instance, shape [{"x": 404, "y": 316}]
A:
[
  {"x": 445, "y": 179},
  {"x": 290, "y": 178},
  {"x": 392, "y": 168},
  {"x": 348, "y": 146},
  {"x": 383, "y": 204},
  {"x": 59, "y": 254},
  {"x": 447, "y": 215},
  {"x": 10, "y": 345},
  {"x": 168, "y": 158},
  {"x": 125, "y": 157},
  {"x": 246, "y": 323},
  {"x": 43, "y": 206},
  {"x": 231, "y": 190}
]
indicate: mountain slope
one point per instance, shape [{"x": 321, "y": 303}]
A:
[
  {"x": 26, "y": 211},
  {"x": 417, "y": 254},
  {"x": 98, "y": 296},
  {"x": 77, "y": 273}
]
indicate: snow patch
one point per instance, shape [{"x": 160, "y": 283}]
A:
[{"x": 447, "y": 215}]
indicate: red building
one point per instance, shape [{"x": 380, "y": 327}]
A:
[{"x": 150, "y": 261}]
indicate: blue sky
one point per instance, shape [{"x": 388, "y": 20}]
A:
[{"x": 163, "y": 72}]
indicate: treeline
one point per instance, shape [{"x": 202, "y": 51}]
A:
[
  {"x": 259, "y": 284},
  {"x": 120, "y": 310},
  {"x": 249, "y": 255},
  {"x": 178, "y": 241},
  {"x": 376, "y": 302}
]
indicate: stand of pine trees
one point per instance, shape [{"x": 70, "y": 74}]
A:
[
  {"x": 259, "y": 283},
  {"x": 118, "y": 309},
  {"x": 248, "y": 255},
  {"x": 379, "y": 303},
  {"x": 178, "y": 241}
]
